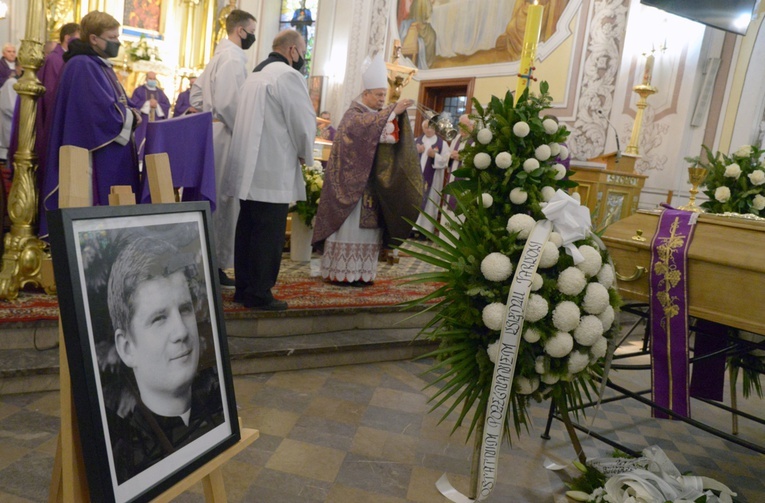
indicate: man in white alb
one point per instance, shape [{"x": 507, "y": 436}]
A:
[{"x": 434, "y": 159}]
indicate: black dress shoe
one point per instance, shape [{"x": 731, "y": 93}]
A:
[
  {"x": 225, "y": 281},
  {"x": 272, "y": 305}
]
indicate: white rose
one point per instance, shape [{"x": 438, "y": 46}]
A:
[
  {"x": 563, "y": 155},
  {"x": 565, "y": 316},
  {"x": 536, "y": 282},
  {"x": 486, "y": 200},
  {"x": 606, "y": 276},
  {"x": 596, "y": 298},
  {"x": 520, "y": 223},
  {"x": 758, "y": 203},
  {"x": 530, "y": 165},
  {"x": 757, "y": 177},
  {"x": 493, "y": 316},
  {"x": 589, "y": 330},
  {"x": 551, "y": 127},
  {"x": 607, "y": 318},
  {"x": 482, "y": 160},
  {"x": 531, "y": 335},
  {"x": 554, "y": 149},
  {"x": 722, "y": 194},
  {"x": 496, "y": 267},
  {"x": 550, "y": 255},
  {"x": 518, "y": 196},
  {"x": 547, "y": 193},
  {"x": 733, "y": 170},
  {"x": 526, "y": 386},
  {"x": 743, "y": 151},
  {"x": 521, "y": 129},
  {"x": 536, "y": 308},
  {"x": 503, "y": 160},
  {"x": 542, "y": 152},
  {"x": 559, "y": 345},
  {"x": 485, "y": 136},
  {"x": 571, "y": 281},
  {"x": 592, "y": 262},
  {"x": 560, "y": 172}
]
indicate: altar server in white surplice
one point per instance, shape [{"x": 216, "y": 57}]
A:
[
  {"x": 217, "y": 91},
  {"x": 434, "y": 159}
]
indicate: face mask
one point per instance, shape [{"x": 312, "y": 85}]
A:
[
  {"x": 298, "y": 65},
  {"x": 248, "y": 41},
  {"x": 151, "y": 84},
  {"x": 112, "y": 48}
]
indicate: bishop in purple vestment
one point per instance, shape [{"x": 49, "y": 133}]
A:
[{"x": 92, "y": 112}]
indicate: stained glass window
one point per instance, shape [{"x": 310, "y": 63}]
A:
[{"x": 301, "y": 15}]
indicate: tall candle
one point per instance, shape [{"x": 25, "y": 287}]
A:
[
  {"x": 648, "y": 71},
  {"x": 530, "y": 42}
]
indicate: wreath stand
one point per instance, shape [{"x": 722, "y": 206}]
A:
[{"x": 68, "y": 482}]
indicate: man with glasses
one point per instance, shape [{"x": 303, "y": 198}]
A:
[
  {"x": 92, "y": 112},
  {"x": 217, "y": 91},
  {"x": 273, "y": 135}
]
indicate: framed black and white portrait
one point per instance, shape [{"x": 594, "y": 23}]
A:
[{"x": 146, "y": 344}]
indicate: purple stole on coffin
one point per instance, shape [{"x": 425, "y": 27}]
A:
[
  {"x": 428, "y": 171},
  {"x": 669, "y": 312}
]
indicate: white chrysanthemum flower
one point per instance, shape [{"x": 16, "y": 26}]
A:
[
  {"x": 722, "y": 194},
  {"x": 536, "y": 308},
  {"x": 521, "y": 129},
  {"x": 556, "y": 239},
  {"x": 503, "y": 160},
  {"x": 571, "y": 281},
  {"x": 596, "y": 298},
  {"x": 564, "y": 153},
  {"x": 554, "y": 149},
  {"x": 560, "y": 171},
  {"x": 592, "y": 262},
  {"x": 482, "y": 160},
  {"x": 550, "y": 379},
  {"x": 757, "y": 177},
  {"x": 531, "y": 335},
  {"x": 599, "y": 349},
  {"x": 493, "y": 351},
  {"x": 607, "y": 318},
  {"x": 758, "y": 203},
  {"x": 559, "y": 345},
  {"x": 588, "y": 331},
  {"x": 518, "y": 196},
  {"x": 530, "y": 165},
  {"x": 577, "y": 197},
  {"x": 537, "y": 282},
  {"x": 550, "y": 255},
  {"x": 732, "y": 171},
  {"x": 551, "y": 127},
  {"x": 606, "y": 276},
  {"x": 493, "y": 316},
  {"x": 526, "y": 386},
  {"x": 577, "y": 362},
  {"x": 743, "y": 151},
  {"x": 542, "y": 152},
  {"x": 485, "y": 136},
  {"x": 522, "y": 224},
  {"x": 565, "y": 316},
  {"x": 547, "y": 193},
  {"x": 496, "y": 267},
  {"x": 486, "y": 200},
  {"x": 539, "y": 364}
]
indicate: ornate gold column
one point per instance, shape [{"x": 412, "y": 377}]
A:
[
  {"x": 59, "y": 12},
  {"x": 24, "y": 251}
]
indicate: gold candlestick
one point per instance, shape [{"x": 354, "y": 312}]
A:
[
  {"x": 644, "y": 91},
  {"x": 696, "y": 176}
]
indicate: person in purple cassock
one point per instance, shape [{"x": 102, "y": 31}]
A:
[
  {"x": 92, "y": 112},
  {"x": 153, "y": 104},
  {"x": 183, "y": 101}
]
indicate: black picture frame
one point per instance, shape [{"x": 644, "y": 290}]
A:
[{"x": 131, "y": 452}]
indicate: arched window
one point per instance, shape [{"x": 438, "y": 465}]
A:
[{"x": 301, "y": 15}]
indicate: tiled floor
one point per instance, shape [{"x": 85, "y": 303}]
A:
[{"x": 363, "y": 433}]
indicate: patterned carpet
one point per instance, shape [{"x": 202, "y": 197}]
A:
[{"x": 299, "y": 284}]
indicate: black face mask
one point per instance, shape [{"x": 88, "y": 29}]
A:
[
  {"x": 298, "y": 65},
  {"x": 248, "y": 41},
  {"x": 112, "y": 48}
]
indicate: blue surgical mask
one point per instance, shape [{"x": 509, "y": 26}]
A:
[{"x": 151, "y": 84}]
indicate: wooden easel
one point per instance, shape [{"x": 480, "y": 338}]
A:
[{"x": 68, "y": 482}]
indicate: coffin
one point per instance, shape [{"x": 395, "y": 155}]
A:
[{"x": 726, "y": 271}]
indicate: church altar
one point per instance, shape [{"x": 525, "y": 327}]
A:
[{"x": 725, "y": 267}]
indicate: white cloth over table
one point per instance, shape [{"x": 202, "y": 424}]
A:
[
  {"x": 468, "y": 26},
  {"x": 351, "y": 253}
]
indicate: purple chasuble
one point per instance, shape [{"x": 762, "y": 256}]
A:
[
  {"x": 669, "y": 312},
  {"x": 90, "y": 111},
  {"x": 49, "y": 75},
  {"x": 182, "y": 103},
  {"x": 5, "y": 71},
  {"x": 428, "y": 171},
  {"x": 140, "y": 96}
]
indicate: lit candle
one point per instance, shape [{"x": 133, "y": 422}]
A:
[
  {"x": 648, "y": 71},
  {"x": 530, "y": 41}
]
